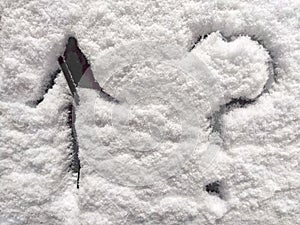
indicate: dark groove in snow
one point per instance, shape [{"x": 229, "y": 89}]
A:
[
  {"x": 75, "y": 162},
  {"x": 239, "y": 103},
  {"x": 272, "y": 64},
  {"x": 49, "y": 85},
  {"x": 76, "y": 64},
  {"x": 199, "y": 39}
]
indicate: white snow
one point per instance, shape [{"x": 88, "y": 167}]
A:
[
  {"x": 148, "y": 159},
  {"x": 231, "y": 61}
]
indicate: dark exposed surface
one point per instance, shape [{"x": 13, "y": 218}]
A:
[
  {"x": 68, "y": 77},
  {"x": 77, "y": 65},
  {"x": 75, "y": 59},
  {"x": 215, "y": 188}
]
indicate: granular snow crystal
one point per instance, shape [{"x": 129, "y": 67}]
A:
[{"x": 187, "y": 112}]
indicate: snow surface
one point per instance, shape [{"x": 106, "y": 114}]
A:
[{"x": 148, "y": 159}]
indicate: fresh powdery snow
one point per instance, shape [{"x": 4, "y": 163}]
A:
[{"x": 205, "y": 129}]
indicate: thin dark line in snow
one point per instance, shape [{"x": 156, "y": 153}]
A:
[
  {"x": 75, "y": 161},
  {"x": 48, "y": 84}
]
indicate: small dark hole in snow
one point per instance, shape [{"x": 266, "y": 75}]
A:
[{"x": 214, "y": 188}]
